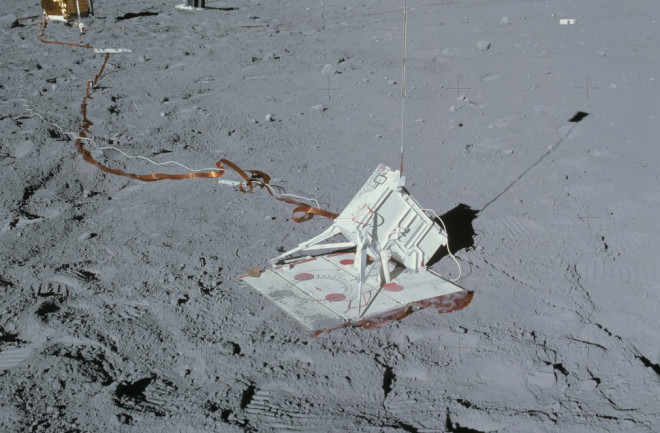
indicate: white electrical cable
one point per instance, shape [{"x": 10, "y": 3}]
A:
[
  {"x": 75, "y": 136},
  {"x": 144, "y": 158},
  {"x": 270, "y": 188},
  {"x": 460, "y": 271}
]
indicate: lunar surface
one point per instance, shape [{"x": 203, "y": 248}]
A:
[{"x": 530, "y": 127}]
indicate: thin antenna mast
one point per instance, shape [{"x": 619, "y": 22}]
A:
[{"x": 403, "y": 77}]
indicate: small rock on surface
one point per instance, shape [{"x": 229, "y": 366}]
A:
[
  {"x": 328, "y": 70},
  {"x": 483, "y": 45},
  {"x": 8, "y": 21},
  {"x": 85, "y": 236}
]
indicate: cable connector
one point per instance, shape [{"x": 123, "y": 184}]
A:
[{"x": 229, "y": 182}]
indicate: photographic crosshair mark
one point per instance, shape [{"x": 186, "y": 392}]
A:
[
  {"x": 590, "y": 343},
  {"x": 458, "y": 87},
  {"x": 587, "y": 87},
  {"x": 328, "y": 88},
  {"x": 587, "y": 219},
  {"x": 459, "y": 347},
  {"x": 199, "y": 218}
]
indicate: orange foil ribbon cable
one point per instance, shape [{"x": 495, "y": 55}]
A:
[
  {"x": 42, "y": 35},
  {"x": 303, "y": 212},
  {"x": 443, "y": 304}
]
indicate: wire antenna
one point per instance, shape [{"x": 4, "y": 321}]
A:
[{"x": 403, "y": 77}]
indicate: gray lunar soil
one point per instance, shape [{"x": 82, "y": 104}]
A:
[{"x": 120, "y": 304}]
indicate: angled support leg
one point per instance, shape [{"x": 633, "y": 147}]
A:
[
  {"x": 385, "y": 256},
  {"x": 313, "y": 244},
  {"x": 361, "y": 265}
]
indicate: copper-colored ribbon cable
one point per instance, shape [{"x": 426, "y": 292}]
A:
[
  {"x": 42, "y": 35},
  {"x": 303, "y": 212}
]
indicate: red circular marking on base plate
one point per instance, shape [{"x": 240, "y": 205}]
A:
[
  {"x": 304, "y": 276},
  {"x": 347, "y": 262},
  {"x": 393, "y": 287},
  {"x": 335, "y": 297}
]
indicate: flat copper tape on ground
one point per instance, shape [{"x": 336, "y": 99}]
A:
[
  {"x": 307, "y": 210},
  {"x": 105, "y": 63},
  {"x": 42, "y": 35},
  {"x": 443, "y": 304}
]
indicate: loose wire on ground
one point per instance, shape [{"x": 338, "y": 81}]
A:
[
  {"x": 74, "y": 135},
  {"x": 460, "y": 271},
  {"x": 302, "y": 212}
]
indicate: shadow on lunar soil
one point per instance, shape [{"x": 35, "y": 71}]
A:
[{"x": 458, "y": 223}]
